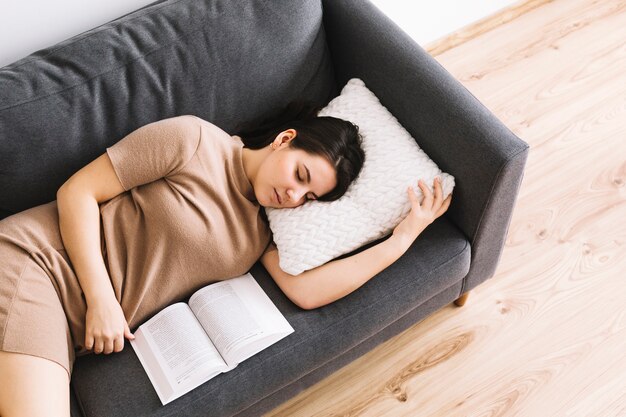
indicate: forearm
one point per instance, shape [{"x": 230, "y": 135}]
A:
[
  {"x": 79, "y": 223},
  {"x": 338, "y": 278}
]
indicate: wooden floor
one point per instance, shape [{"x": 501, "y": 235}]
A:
[{"x": 546, "y": 336}]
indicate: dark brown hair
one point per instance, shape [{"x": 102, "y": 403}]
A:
[{"x": 336, "y": 140}]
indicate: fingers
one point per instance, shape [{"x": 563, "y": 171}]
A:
[
  {"x": 89, "y": 341},
  {"x": 127, "y": 332},
  {"x": 431, "y": 200},
  {"x": 119, "y": 344},
  {"x": 438, "y": 192},
  {"x": 107, "y": 345},
  {"x": 426, "y": 193},
  {"x": 444, "y": 206},
  {"x": 409, "y": 190},
  {"x": 98, "y": 345},
  {"x": 95, "y": 343}
]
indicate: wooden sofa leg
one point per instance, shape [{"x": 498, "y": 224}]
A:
[{"x": 461, "y": 300}]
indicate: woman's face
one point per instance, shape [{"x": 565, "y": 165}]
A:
[{"x": 284, "y": 172}]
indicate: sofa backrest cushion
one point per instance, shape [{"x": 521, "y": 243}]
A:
[{"x": 222, "y": 60}]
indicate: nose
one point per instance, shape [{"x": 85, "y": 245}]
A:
[{"x": 295, "y": 195}]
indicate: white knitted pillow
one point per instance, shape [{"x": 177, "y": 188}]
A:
[{"x": 375, "y": 203}]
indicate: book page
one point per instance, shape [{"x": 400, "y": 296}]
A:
[
  {"x": 239, "y": 317},
  {"x": 224, "y": 317},
  {"x": 176, "y": 352}
]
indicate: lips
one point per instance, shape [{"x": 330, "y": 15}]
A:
[{"x": 277, "y": 196}]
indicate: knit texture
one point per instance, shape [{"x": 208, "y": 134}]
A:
[{"x": 376, "y": 202}]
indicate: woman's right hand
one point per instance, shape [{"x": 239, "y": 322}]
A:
[
  {"x": 106, "y": 326},
  {"x": 421, "y": 215}
]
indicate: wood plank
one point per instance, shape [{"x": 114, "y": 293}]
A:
[{"x": 483, "y": 25}]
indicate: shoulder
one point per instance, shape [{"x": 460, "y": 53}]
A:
[{"x": 212, "y": 130}]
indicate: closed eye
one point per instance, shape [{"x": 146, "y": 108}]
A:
[{"x": 300, "y": 179}]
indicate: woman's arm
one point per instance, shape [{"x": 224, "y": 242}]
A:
[
  {"x": 333, "y": 280},
  {"x": 336, "y": 279},
  {"x": 79, "y": 223}
]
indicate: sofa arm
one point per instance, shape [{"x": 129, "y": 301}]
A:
[{"x": 450, "y": 124}]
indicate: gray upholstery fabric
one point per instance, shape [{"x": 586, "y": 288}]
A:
[
  {"x": 229, "y": 61},
  {"x": 224, "y": 61}
]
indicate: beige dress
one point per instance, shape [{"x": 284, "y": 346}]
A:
[{"x": 188, "y": 217}]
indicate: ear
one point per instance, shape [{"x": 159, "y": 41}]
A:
[{"x": 285, "y": 136}]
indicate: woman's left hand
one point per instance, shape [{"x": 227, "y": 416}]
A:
[{"x": 421, "y": 214}]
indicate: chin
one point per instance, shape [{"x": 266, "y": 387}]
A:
[{"x": 267, "y": 203}]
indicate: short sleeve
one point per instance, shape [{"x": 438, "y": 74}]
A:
[{"x": 155, "y": 150}]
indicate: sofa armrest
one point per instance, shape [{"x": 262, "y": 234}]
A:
[{"x": 450, "y": 124}]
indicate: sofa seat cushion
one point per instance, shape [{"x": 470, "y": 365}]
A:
[{"x": 116, "y": 385}]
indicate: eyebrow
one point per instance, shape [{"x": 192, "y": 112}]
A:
[{"x": 308, "y": 179}]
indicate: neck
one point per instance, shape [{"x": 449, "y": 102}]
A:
[{"x": 252, "y": 159}]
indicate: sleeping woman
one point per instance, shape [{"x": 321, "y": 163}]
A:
[{"x": 170, "y": 208}]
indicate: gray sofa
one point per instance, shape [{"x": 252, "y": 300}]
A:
[{"x": 229, "y": 61}]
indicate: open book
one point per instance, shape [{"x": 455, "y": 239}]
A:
[{"x": 224, "y": 323}]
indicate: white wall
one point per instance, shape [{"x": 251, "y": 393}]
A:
[
  {"x": 29, "y": 25},
  {"x": 428, "y": 20}
]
